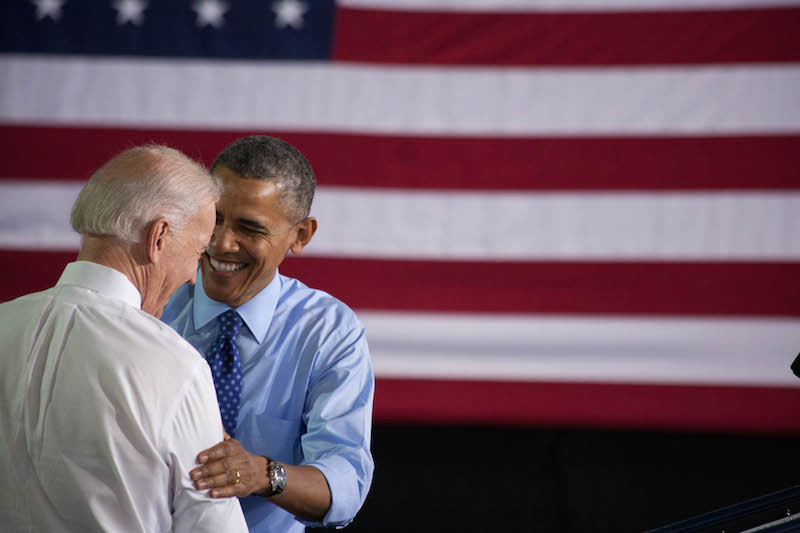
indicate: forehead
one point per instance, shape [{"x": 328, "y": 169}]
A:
[
  {"x": 202, "y": 224},
  {"x": 249, "y": 198}
]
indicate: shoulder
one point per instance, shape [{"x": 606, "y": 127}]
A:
[
  {"x": 302, "y": 305},
  {"x": 148, "y": 358},
  {"x": 127, "y": 337},
  {"x": 21, "y": 317},
  {"x": 324, "y": 329},
  {"x": 35, "y": 299},
  {"x": 128, "y": 348},
  {"x": 163, "y": 341}
]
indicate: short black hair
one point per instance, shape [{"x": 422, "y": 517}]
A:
[{"x": 268, "y": 158}]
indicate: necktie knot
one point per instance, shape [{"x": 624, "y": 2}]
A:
[{"x": 230, "y": 323}]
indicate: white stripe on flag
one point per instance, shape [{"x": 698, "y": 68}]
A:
[
  {"x": 530, "y": 226},
  {"x": 115, "y": 92},
  {"x": 35, "y": 215},
  {"x": 393, "y": 223},
  {"x": 583, "y": 349}
]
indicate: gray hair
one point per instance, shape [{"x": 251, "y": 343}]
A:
[
  {"x": 138, "y": 186},
  {"x": 271, "y": 159}
]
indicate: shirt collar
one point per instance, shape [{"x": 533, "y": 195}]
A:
[
  {"x": 102, "y": 279},
  {"x": 256, "y": 312}
]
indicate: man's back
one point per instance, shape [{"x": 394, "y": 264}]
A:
[{"x": 103, "y": 409}]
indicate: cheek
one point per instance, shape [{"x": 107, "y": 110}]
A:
[
  {"x": 269, "y": 258},
  {"x": 190, "y": 263}
]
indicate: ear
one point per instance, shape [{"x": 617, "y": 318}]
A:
[
  {"x": 303, "y": 233},
  {"x": 156, "y": 239}
]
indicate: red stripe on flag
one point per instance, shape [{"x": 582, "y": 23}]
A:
[
  {"x": 24, "y": 272},
  {"x": 766, "y": 289},
  {"x": 557, "y": 287},
  {"x": 662, "y": 407},
  {"x": 584, "y": 163},
  {"x": 596, "y": 38}
]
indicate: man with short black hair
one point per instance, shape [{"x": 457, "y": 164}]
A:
[
  {"x": 291, "y": 364},
  {"x": 103, "y": 406}
]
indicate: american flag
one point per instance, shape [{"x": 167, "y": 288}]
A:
[{"x": 546, "y": 212}]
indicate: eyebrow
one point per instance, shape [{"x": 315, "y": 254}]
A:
[{"x": 253, "y": 223}]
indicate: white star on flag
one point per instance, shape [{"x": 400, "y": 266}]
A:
[
  {"x": 48, "y": 8},
  {"x": 210, "y": 13},
  {"x": 130, "y": 11},
  {"x": 289, "y": 13}
]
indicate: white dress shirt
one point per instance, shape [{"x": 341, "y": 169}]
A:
[{"x": 103, "y": 410}]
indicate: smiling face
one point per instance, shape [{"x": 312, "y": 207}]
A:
[{"x": 252, "y": 235}]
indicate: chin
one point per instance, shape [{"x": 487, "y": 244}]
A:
[{"x": 217, "y": 291}]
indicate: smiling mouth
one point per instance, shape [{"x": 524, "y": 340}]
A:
[{"x": 224, "y": 266}]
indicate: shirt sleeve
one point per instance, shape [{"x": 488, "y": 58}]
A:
[
  {"x": 195, "y": 426},
  {"x": 339, "y": 422}
]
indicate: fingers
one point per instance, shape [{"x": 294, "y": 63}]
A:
[
  {"x": 234, "y": 482},
  {"x": 223, "y": 449},
  {"x": 230, "y": 477},
  {"x": 214, "y": 468},
  {"x": 228, "y": 492},
  {"x": 229, "y": 470}
]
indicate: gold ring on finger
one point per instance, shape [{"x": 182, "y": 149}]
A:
[{"x": 238, "y": 478}]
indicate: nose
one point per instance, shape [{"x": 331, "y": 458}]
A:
[{"x": 223, "y": 240}]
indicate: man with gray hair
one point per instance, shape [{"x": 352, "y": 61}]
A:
[
  {"x": 102, "y": 406},
  {"x": 291, "y": 363}
]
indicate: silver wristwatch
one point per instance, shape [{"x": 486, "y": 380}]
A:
[{"x": 277, "y": 477}]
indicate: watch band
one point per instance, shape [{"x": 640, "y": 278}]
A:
[{"x": 277, "y": 477}]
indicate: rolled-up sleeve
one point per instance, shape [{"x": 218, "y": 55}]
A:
[{"x": 338, "y": 419}]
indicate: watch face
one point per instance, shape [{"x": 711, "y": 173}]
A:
[
  {"x": 277, "y": 477},
  {"x": 280, "y": 477}
]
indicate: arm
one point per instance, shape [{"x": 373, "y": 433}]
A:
[
  {"x": 196, "y": 422},
  {"x": 339, "y": 424},
  {"x": 306, "y": 495}
]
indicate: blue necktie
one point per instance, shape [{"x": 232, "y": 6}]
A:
[{"x": 226, "y": 369}]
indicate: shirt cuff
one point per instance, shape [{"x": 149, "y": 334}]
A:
[{"x": 345, "y": 496}]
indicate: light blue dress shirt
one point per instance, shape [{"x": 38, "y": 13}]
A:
[{"x": 307, "y": 393}]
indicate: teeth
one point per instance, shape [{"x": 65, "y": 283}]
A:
[{"x": 219, "y": 266}]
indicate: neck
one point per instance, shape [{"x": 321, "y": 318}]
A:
[{"x": 123, "y": 257}]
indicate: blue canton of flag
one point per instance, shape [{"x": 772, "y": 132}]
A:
[{"x": 284, "y": 29}]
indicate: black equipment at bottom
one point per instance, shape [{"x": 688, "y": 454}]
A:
[{"x": 778, "y": 512}]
